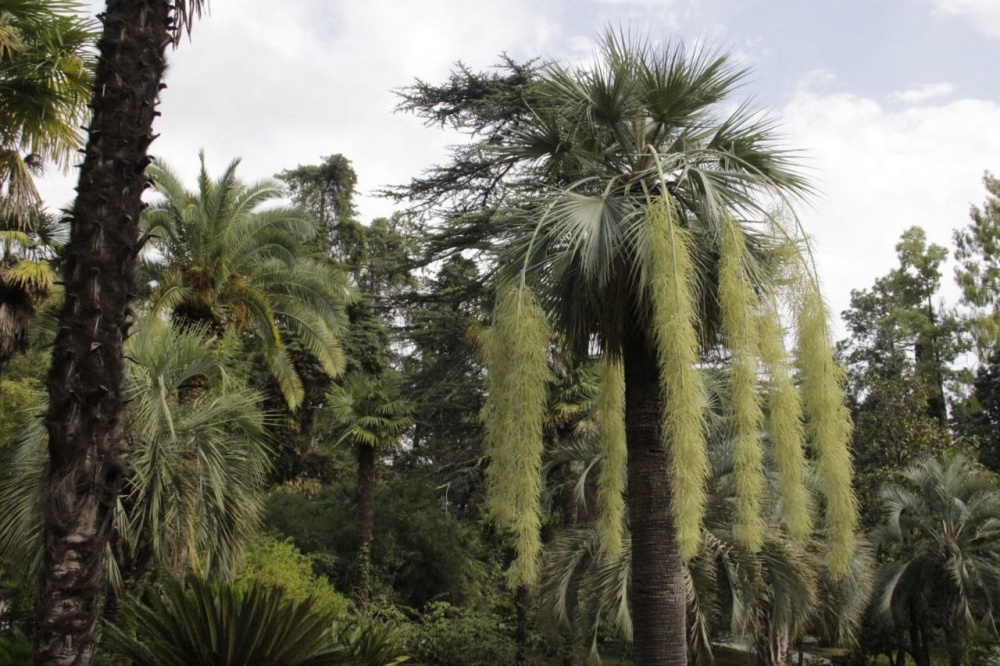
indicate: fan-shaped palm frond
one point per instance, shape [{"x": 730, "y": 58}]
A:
[
  {"x": 45, "y": 73},
  {"x": 197, "y": 461},
  {"x": 368, "y": 410},
  {"x": 942, "y": 532},
  {"x": 28, "y": 246}
]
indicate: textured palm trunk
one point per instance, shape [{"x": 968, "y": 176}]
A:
[
  {"x": 366, "y": 505},
  {"x": 657, "y": 592},
  {"x": 957, "y": 642},
  {"x": 523, "y": 600},
  {"x": 84, "y": 383}
]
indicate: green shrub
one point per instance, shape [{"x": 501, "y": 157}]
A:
[
  {"x": 419, "y": 552},
  {"x": 15, "y": 650},
  {"x": 273, "y": 563},
  {"x": 451, "y": 636}
]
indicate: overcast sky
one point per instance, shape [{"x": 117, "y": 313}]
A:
[{"x": 896, "y": 103}]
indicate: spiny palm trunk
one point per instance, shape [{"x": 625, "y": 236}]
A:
[
  {"x": 657, "y": 590},
  {"x": 366, "y": 505},
  {"x": 85, "y": 400}
]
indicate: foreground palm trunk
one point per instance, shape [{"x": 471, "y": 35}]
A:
[
  {"x": 85, "y": 400},
  {"x": 658, "y": 595},
  {"x": 366, "y": 502}
]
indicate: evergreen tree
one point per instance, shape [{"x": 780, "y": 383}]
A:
[
  {"x": 897, "y": 330},
  {"x": 977, "y": 251}
]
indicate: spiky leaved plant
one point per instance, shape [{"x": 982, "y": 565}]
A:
[{"x": 654, "y": 247}]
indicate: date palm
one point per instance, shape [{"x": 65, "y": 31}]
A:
[
  {"x": 655, "y": 243},
  {"x": 233, "y": 263}
]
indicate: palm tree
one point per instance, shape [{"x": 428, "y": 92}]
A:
[
  {"x": 46, "y": 68},
  {"x": 369, "y": 414},
  {"x": 770, "y": 598},
  {"x": 232, "y": 264},
  {"x": 197, "y": 463},
  {"x": 942, "y": 535},
  {"x": 196, "y": 466},
  {"x": 656, "y": 244},
  {"x": 86, "y": 377},
  {"x": 27, "y": 276}
]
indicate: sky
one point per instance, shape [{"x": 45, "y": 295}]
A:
[{"x": 892, "y": 102}]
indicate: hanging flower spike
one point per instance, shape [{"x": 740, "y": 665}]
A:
[
  {"x": 786, "y": 427},
  {"x": 674, "y": 317},
  {"x": 739, "y": 304},
  {"x": 828, "y": 425},
  {"x": 515, "y": 350},
  {"x": 610, "y": 417}
]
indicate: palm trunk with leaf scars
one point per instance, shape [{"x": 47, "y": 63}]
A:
[{"x": 85, "y": 381}]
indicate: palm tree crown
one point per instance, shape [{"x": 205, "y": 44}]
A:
[
  {"x": 231, "y": 263},
  {"x": 46, "y": 69},
  {"x": 942, "y": 533}
]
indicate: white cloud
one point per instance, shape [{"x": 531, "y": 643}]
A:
[
  {"x": 282, "y": 88},
  {"x": 923, "y": 93},
  {"x": 881, "y": 171},
  {"x": 984, "y": 15}
]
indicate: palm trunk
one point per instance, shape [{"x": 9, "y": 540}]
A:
[
  {"x": 523, "y": 599},
  {"x": 84, "y": 383},
  {"x": 366, "y": 505},
  {"x": 657, "y": 591},
  {"x": 957, "y": 643}
]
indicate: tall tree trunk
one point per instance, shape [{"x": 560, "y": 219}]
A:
[
  {"x": 521, "y": 631},
  {"x": 658, "y": 595},
  {"x": 84, "y": 383},
  {"x": 957, "y": 643},
  {"x": 918, "y": 643},
  {"x": 366, "y": 506}
]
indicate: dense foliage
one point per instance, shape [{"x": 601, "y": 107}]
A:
[{"x": 546, "y": 412}]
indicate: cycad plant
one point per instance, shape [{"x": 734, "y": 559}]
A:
[
  {"x": 656, "y": 246},
  {"x": 231, "y": 262},
  {"x": 941, "y": 535},
  {"x": 217, "y": 625}
]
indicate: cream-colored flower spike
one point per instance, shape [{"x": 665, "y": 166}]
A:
[
  {"x": 685, "y": 401},
  {"x": 515, "y": 350},
  {"x": 739, "y": 304}
]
